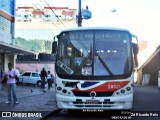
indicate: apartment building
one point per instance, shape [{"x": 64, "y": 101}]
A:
[{"x": 45, "y": 14}]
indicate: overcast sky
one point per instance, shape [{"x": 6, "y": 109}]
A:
[{"x": 141, "y": 17}]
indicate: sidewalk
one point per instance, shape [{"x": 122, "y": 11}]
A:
[{"x": 38, "y": 103}]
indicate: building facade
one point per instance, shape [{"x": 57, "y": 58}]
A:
[
  {"x": 45, "y": 14},
  {"x": 149, "y": 71},
  {"x": 8, "y": 50},
  {"x": 41, "y": 23}
]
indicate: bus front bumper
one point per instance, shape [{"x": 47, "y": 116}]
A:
[{"x": 79, "y": 103}]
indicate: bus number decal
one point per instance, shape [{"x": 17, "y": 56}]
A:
[{"x": 114, "y": 86}]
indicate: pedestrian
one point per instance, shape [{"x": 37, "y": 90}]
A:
[
  {"x": 11, "y": 75},
  {"x": 1, "y": 76},
  {"x": 43, "y": 78},
  {"x": 52, "y": 78},
  {"x": 1, "y": 73},
  {"x": 49, "y": 80}
]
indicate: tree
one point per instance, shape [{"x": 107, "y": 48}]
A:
[{"x": 34, "y": 45}]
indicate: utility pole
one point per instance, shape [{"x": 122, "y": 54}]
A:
[
  {"x": 79, "y": 14},
  {"x": 83, "y": 14}
]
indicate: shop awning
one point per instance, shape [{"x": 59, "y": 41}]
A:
[{"x": 11, "y": 49}]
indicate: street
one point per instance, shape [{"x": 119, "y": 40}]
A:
[
  {"x": 146, "y": 98},
  {"x": 23, "y": 90},
  {"x": 146, "y": 103}
]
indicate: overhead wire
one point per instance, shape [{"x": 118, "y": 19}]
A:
[
  {"x": 54, "y": 13},
  {"x": 47, "y": 17}
]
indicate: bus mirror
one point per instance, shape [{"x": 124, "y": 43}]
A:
[
  {"x": 135, "y": 44},
  {"x": 135, "y": 52},
  {"x": 135, "y": 48},
  {"x": 54, "y": 47}
]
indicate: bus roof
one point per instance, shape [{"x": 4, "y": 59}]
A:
[{"x": 95, "y": 28}]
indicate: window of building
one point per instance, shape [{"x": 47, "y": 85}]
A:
[{"x": 5, "y": 25}]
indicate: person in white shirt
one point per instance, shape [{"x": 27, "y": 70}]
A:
[
  {"x": 11, "y": 83},
  {"x": 49, "y": 80}
]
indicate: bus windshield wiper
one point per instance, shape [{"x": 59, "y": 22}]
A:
[{"x": 103, "y": 63}]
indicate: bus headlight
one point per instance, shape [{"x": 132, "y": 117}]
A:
[
  {"x": 122, "y": 91},
  {"x": 128, "y": 88},
  {"x": 64, "y": 91},
  {"x": 59, "y": 88}
]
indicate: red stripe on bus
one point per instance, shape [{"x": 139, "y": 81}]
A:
[{"x": 106, "y": 87}]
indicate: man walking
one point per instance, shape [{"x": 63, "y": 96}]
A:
[
  {"x": 11, "y": 75},
  {"x": 43, "y": 78}
]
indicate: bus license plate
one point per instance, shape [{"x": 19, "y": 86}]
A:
[{"x": 92, "y": 101}]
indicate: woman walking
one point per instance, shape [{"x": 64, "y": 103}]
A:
[{"x": 49, "y": 80}]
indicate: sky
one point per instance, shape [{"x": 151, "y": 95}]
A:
[{"x": 141, "y": 17}]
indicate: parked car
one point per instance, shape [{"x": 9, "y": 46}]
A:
[
  {"x": 18, "y": 74},
  {"x": 30, "y": 77}
]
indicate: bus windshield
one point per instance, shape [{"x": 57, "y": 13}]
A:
[{"x": 94, "y": 53}]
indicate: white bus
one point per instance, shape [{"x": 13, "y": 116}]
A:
[{"x": 94, "y": 69}]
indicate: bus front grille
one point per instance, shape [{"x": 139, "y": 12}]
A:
[
  {"x": 100, "y": 104},
  {"x": 87, "y": 94}
]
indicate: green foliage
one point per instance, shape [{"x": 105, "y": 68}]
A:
[{"x": 34, "y": 45}]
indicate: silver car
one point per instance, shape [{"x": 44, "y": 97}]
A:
[{"x": 30, "y": 77}]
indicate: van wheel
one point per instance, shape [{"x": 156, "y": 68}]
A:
[{"x": 39, "y": 83}]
